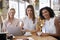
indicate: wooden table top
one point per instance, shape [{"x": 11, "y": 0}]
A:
[{"x": 35, "y": 37}]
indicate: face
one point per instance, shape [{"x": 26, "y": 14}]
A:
[
  {"x": 45, "y": 13},
  {"x": 11, "y": 13},
  {"x": 29, "y": 12}
]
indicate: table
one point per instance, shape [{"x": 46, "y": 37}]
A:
[{"x": 35, "y": 37}]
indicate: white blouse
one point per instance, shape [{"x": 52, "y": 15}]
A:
[
  {"x": 12, "y": 28},
  {"x": 49, "y": 26},
  {"x": 28, "y": 24}
]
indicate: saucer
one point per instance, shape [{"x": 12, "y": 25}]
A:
[
  {"x": 27, "y": 34},
  {"x": 39, "y": 33}
]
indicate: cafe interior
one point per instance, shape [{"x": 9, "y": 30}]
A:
[{"x": 20, "y": 7}]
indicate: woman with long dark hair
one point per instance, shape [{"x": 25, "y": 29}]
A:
[{"x": 30, "y": 20}]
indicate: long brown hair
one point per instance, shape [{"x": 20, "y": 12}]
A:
[{"x": 30, "y": 6}]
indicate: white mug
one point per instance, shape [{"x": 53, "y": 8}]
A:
[{"x": 39, "y": 33}]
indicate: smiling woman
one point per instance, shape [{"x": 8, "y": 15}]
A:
[
  {"x": 51, "y": 25},
  {"x": 12, "y": 23}
]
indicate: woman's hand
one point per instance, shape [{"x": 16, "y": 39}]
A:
[{"x": 45, "y": 34}]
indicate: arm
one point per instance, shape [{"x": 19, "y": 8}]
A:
[
  {"x": 4, "y": 27},
  {"x": 22, "y": 29},
  {"x": 57, "y": 24},
  {"x": 21, "y": 25},
  {"x": 48, "y": 34}
]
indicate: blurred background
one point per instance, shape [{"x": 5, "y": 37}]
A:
[{"x": 20, "y": 7}]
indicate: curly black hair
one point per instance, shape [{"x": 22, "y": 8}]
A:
[{"x": 51, "y": 12}]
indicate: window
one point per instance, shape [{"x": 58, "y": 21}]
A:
[
  {"x": 44, "y": 3},
  {"x": 14, "y": 4},
  {"x": 22, "y": 10},
  {"x": 19, "y": 7}
]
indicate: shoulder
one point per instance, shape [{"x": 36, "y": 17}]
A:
[
  {"x": 25, "y": 19},
  {"x": 57, "y": 22},
  {"x": 57, "y": 19}
]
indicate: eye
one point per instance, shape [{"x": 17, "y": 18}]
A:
[{"x": 45, "y": 11}]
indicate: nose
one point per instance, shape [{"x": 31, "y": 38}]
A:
[{"x": 29, "y": 11}]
